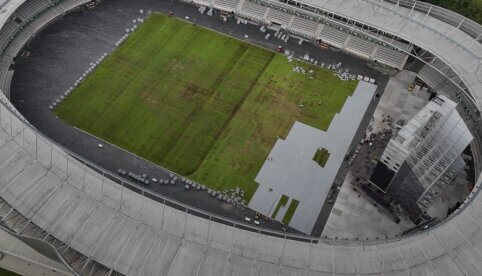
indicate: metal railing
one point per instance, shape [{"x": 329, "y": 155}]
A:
[{"x": 467, "y": 25}]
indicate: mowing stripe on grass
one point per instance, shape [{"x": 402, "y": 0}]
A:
[
  {"x": 282, "y": 202},
  {"x": 199, "y": 103},
  {"x": 290, "y": 212}
]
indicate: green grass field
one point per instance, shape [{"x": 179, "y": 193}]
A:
[
  {"x": 282, "y": 202},
  {"x": 290, "y": 212},
  {"x": 199, "y": 103},
  {"x": 321, "y": 157}
]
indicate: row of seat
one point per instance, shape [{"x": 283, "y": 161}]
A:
[
  {"x": 4, "y": 76},
  {"x": 431, "y": 76},
  {"x": 390, "y": 57},
  {"x": 333, "y": 36},
  {"x": 329, "y": 34},
  {"x": 361, "y": 46},
  {"x": 253, "y": 10},
  {"x": 305, "y": 25},
  {"x": 67, "y": 5},
  {"x": 20, "y": 35},
  {"x": 396, "y": 43},
  {"x": 7, "y": 33},
  {"x": 279, "y": 17},
  {"x": 227, "y": 4},
  {"x": 28, "y": 12},
  {"x": 31, "y": 8}
]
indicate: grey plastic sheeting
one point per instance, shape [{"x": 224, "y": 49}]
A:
[{"x": 290, "y": 169}]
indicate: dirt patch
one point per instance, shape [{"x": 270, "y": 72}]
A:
[
  {"x": 191, "y": 91},
  {"x": 150, "y": 98}
]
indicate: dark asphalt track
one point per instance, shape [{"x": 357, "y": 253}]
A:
[{"x": 64, "y": 50}]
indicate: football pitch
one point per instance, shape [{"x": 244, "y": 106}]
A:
[{"x": 202, "y": 104}]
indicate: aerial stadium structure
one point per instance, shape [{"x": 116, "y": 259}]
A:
[{"x": 101, "y": 226}]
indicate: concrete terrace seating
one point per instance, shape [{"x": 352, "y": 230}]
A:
[
  {"x": 67, "y": 5},
  {"x": 251, "y": 9},
  {"x": 203, "y": 2},
  {"x": 278, "y": 17},
  {"x": 3, "y": 2},
  {"x": 4, "y": 73},
  {"x": 395, "y": 43},
  {"x": 361, "y": 46},
  {"x": 338, "y": 38},
  {"x": 333, "y": 36},
  {"x": 6, "y": 82},
  {"x": 431, "y": 76},
  {"x": 31, "y": 8},
  {"x": 226, "y": 4},
  {"x": 43, "y": 19},
  {"x": 27, "y": 12},
  {"x": 17, "y": 43},
  {"x": 7, "y": 33},
  {"x": 446, "y": 87},
  {"x": 390, "y": 57},
  {"x": 435, "y": 79},
  {"x": 305, "y": 25}
]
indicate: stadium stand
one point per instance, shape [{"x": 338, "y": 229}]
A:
[
  {"x": 8, "y": 32},
  {"x": 430, "y": 75},
  {"x": 227, "y": 4},
  {"x": 203, "y": 2},
  {"x": 305, "y": 25},
  {"x": 360, "y": 46},
  {"x": 7, "y": 82},
  {"x": 18, "y": 39},
  {"x": 278, "y": 17},
  {"x": 32, "y": 8},
  {"x": 390, "y": 57},
  {"x": 39, "y": 22},
  {"x": 4, "y": 66},
  {"x": 250, "y": 9},
  {"x": 333, "y": 36},
  {"x": 101, "y": 225},
  {"x": 68, "y": 5},
  {"x": 17, "y": 43},
  {"x": 447, "y": 87}
]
